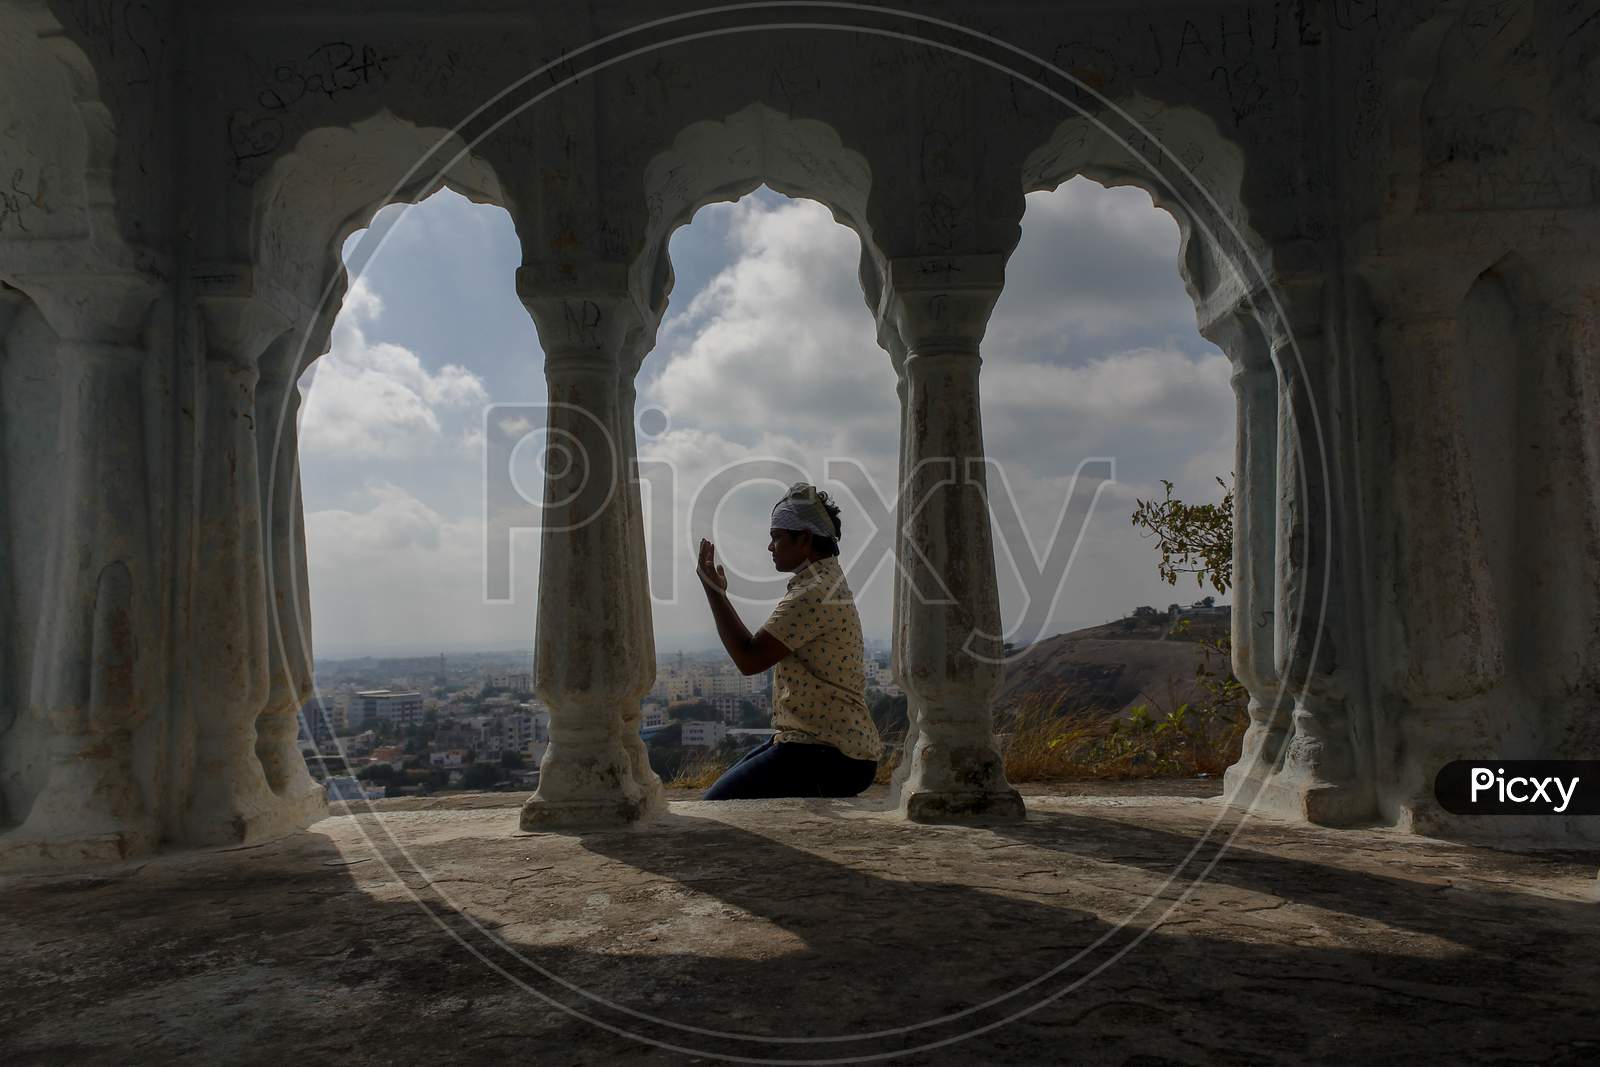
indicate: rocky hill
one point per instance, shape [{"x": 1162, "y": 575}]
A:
[{"x": 1112, "y": 666}]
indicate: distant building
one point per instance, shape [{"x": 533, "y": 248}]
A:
[
  {"x": 704, "y": 734},
  {"x": 727, "y": 706},
  {"x": 516, "y": 682},
  {"x": 359, "y": 744},
  {"x": 652, "y": 715},
  {"x": 1205, "y": 608},
  {"x": 673, "y": 685},
  {"x": 390, "y": 708},
  {"x": 514, "y": 730},
  {"x": 393, "y": 755}
]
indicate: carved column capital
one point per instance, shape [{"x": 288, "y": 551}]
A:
[
  {"x": 11, "y": 302},
  {"x": 941, "y": 304},
  {"x": 241, "y": 311},
  {"x": 585, "y": 313},
  {"x": 94, "y": 309}
]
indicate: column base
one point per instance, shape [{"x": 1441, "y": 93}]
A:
[
  {"x": 1306, "y": 772},
  {"x": 539, "y": 814},
  {"x": 90, "y": 811},
  {"x": 1423, "y": 816},
  {"x": 1320, "y": 803},
  {"x": 653, "y": 794},
  {"x": 24, "y": 850},
  {"x": 954, "y": 781},
  {"x": 221, "y": 817},
  {"x": 592, "y": 785},
  {"x": 931, "y": 806},
  {"x": 304, "y": 804}
]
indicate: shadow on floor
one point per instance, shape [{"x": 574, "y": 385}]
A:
[{"x": 802, "y": 925}]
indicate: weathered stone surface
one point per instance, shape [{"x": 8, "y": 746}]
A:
[{"x": 803, "y": 919}]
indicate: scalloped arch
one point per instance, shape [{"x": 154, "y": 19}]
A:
[
  {"x": 1187, "y": 141},
  {"x": 721, "y": 160},
  {"x": 300, "y": 219}
]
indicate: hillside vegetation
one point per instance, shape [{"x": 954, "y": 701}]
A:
[{"x": 1112, "y": 667}]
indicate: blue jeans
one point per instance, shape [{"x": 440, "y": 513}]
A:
[{"x": 792, "y": 769}]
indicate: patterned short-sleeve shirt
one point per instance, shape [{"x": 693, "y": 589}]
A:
[{"x": 819, "y": 690}]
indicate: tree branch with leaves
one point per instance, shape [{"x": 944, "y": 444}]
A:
[
  {"x": 1192, "y": 538},
  {"x": 1196, "y": 539}
]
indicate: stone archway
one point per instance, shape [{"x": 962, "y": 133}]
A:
[
  {"x": 264, "y": 322},
  {"x": 1307, "y": 747}
]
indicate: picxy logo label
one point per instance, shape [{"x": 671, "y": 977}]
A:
[
  {"x": 1519, "y": 787},
  {"x": 1532, "y": 790}
]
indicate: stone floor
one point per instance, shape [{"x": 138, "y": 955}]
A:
[{"x": 1109, "y": 927}]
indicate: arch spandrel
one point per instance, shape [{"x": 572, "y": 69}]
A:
[
  {"x": 45, "y": 149},
  {"x": 720, "y": 161},
  {"x": 1189, "y": 169},
  {"x": 299, "y": 219}
]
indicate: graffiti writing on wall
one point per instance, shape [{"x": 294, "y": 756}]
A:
[
  {"x": 331, "y": 69},
  {"x": 128, "y": 34},
  {"x": 328, "y": 71},
  {"x": 22, "y": 194}
]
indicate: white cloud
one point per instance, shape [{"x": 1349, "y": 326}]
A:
[
  {"x": 780, "y": 340},
  {"x": 368, "y": 399},
  {"x": 1095, "y": 267},
  {"x": 396, "y": 574}
]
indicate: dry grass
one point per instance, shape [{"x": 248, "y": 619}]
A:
[
  {"x": 892, "y": 747},
  {"x": 1057, "y": 737},
  {"x": 1053, "y": 738},
  {"x": 700, "y": 772}
]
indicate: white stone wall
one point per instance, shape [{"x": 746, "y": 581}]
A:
[{"x": 1388, "y": 225}]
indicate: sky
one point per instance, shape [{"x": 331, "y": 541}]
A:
[{"x": 765, "y": 371}]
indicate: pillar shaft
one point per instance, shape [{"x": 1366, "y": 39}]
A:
[
  {"x": 897, "y": 633},
  {"x": 590, "y": 666},
  {"x": 1444, "y": 569},
  {"x": 11, "y": 301},
  {"x": 1325, "y": 773},
  {"x": 638, "y": 625},
  {"x": 1254, "y": 564},
  {"x": 227, "y": 796},
  {"x": 95, "y": 673},
  {"x": 1496, "y": 520},
  {"x": 290, "y": 682},
  {"x": 950, "y": 654}
]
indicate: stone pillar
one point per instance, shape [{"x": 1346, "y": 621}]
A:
[
  {"x": 590, "y": 667},
  {"x": 1442, "y": 641},
  {"x": 1561, "y": 545},
  {"x": 96, "y": 670},
  {"x": 290, "y": 664},
  {"x": 951, "y": 655},
  {"x": 1493, "y": 382},
  {"x": 228, "y": 799},
  {"x": 1325, "y": 774},
  {"x": 1255, "y": 388},
  {"x": 11, "y": 301},
  {"x": 639, "y": 625},
  {"x": 890, "y": 340}
]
